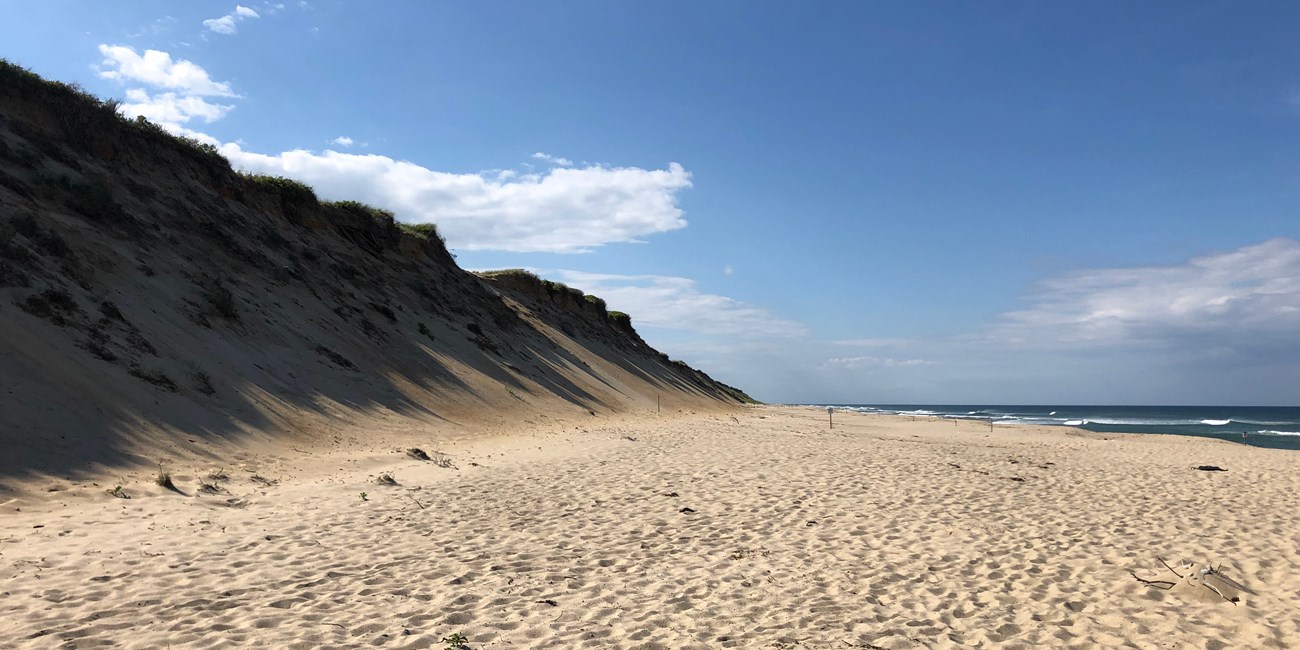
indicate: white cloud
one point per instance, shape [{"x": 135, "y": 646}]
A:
[
  {"x": 1251, "y": 289},
  {"x": 156, "y": 68},
  {"x": 675, "y": 303},
  {"x": 170, "y": 108},
  {"x": 226, "y": 24},
  {"x": 222, "y": 25},
  {"x": 554, "y": 160},
  {"x": 563, "y": 210},
  {"x": 727, "y": 270}
]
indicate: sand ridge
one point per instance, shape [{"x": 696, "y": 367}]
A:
[{"x": 754, "y": 529}]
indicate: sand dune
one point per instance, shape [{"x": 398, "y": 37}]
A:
[
  {"x": 759, "y": 529},
  {"x": 158, "y": 306}
]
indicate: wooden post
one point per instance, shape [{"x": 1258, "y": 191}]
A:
[
  {"x": 656, "y": 402},
  {"x": 830, "y": 415}
]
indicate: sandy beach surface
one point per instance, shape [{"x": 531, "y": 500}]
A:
[{"x": 757, "y": 527}]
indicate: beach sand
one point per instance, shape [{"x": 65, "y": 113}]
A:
[{"x": 757, "y": 527}]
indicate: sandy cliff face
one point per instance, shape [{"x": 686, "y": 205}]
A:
[{"x": 153, "y": 301}]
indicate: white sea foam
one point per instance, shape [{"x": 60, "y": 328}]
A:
[
  {"x": 1143, "y": 422},
  {"x": 1215, "y": 423},
  {"x": 1074, "y": 423},
  {"x": 1278, "y": 433}
]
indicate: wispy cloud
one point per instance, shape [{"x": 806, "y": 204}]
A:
[
  {"x": 554, "y": 160},
  {"x": 155, "y": 27},
  {"x": 853, "y": 363},
  {"x": 156, "y": 68},
  {"x": 342, "y": 141},
  {"x": 873, "y": 343},
  {"x": 1217, "y": 328},
  {"x": 676, "y": 303},
  {"x": 1251, "y": 291},
  {"x": 227, "y": 24}
]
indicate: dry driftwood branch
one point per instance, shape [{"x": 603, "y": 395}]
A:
[
  {"x": 1207, "y": 576},
  {"x": 1171, "y": 569},
  {"x": 1158, "y": 584}
]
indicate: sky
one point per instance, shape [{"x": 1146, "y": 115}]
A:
[{"x": 818, "y": 202}]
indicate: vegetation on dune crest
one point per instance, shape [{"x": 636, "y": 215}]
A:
[
  {"x": 359, "y": 208},
  {"x": 287, "y": 188},
  {"x": 422, "y": 230},
  {"x": 89, "y": 123},
  {"x": 553, "y": 288}
]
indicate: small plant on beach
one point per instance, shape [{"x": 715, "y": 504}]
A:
[
  {"x": 164, "y": 479},
  {"x": 221, "y": 300},
  {"x": 363, "y": 497},
  {"x": 456, "y": 641},
  {"x": 154, "y": 376},
  {"x": 203, "y": 382},
  {"x": 442, "y": 460},
  {"x": 118, "y": 492}
]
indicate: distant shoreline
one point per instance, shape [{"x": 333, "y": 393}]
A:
[{"x": 1270, "y": 427}]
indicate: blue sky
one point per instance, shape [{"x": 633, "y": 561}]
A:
[{"x": 854, "y": 202}]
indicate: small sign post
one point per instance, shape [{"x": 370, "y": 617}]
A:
[{"x": 830, "y": 415}]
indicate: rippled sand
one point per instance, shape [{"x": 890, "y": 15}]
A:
[{"x": 760, "y": 530}]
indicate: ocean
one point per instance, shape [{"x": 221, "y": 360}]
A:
[{"x": 1276, "y": 427}]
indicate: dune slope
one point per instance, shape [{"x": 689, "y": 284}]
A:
[{"x": 155, "y": 304}]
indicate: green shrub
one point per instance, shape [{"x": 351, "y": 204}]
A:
[
  {"x": 422, "y": 230},
  {"x": 291, "y": 192},
  {"x": 517, "y": 274},
  {"x": 357, "y": 207}
]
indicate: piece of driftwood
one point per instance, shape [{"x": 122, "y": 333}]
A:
[{"x": 1204, "y": 576}]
